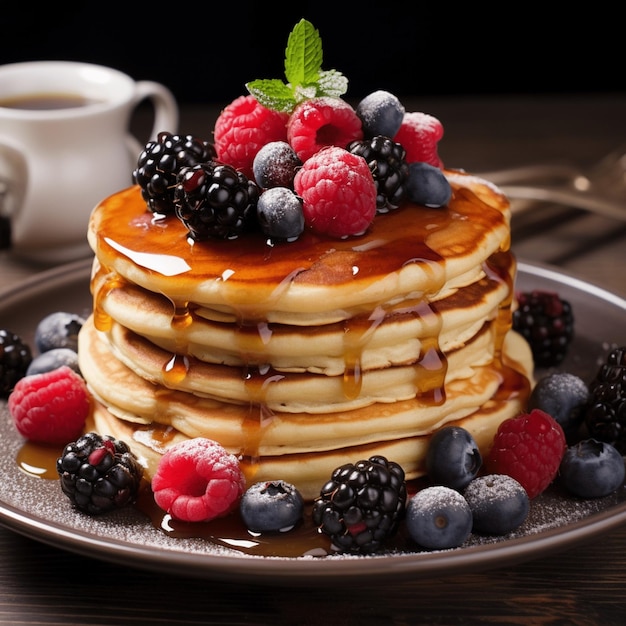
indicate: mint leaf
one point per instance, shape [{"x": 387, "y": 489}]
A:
[
  {"x": 303, "y": 56},
  {"x": 273, "y": 94},
  {"x": 306, "y": 79},
  {"x": 332, "y": 83}
]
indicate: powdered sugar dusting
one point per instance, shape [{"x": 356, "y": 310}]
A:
[{"x": 34, "y": 503}]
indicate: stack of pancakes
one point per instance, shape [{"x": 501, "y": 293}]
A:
[{"x": 299, "y": 357}]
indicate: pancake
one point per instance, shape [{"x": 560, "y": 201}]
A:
[
  {"x": 300, "y": 448},
  {"x": 300, "y": 357}
]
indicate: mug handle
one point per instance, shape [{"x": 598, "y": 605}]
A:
[
  {"x": 13, "y": 179},
  {"x": 165, "y": 109}
]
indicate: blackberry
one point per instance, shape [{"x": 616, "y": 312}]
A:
[
  {"x": 99, "y": 474},
  {"x": 160, "y": 162},
  {"x": 547, "y": 322},
  {"x": 215, "y": 200},
  {"x": 15, "y": 357},
  {"x": 605, "y": 416},
  {"x": 360, "y": 507},
  {"x": 387, "y": 162}
]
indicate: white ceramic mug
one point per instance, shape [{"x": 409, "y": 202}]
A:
[{"x": 64, "y": 146}]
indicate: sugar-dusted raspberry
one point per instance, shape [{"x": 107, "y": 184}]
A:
[
  {"x": 338, "y": 192},
  {"x": 51, "y": 407},
  {"x": 243, "y": 128},
  {"x": 197, "y": 480},
  {"x": 320, "y": 122},
  {"x": 419, "y": 135},
  {"x": 529, "y": 448}
]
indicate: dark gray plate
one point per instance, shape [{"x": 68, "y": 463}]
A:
[{"x": 36, "y": 508}]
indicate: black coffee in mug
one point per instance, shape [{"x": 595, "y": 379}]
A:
[{"x": 46, "y": 101}]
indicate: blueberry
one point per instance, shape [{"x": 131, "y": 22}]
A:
[
  {"x": 591, "y": 469},
  {"x": 381, "y": 113},
  {"x": 438, "y": 518},
  {"x": 280, "y": 213},
  {"x": 499, "y": 504},
  {"x": 453, "y": 458},
  {"x": 58, "y": 330},
  {"x": 53, "y": 359},
  {"x": 564, "y": 396},
  {"x": 427, "y": 185},
  {"x": 275, "y": 165},
  {"x": 271, "y": 506}
]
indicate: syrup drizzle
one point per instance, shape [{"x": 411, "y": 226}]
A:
[{"x": 404, "y": 240}]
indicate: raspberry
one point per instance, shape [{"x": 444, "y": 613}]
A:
[
  {"x": 529, "y": 448},
  {"x": 320, "y": 122},
  {"x": 243, "y": 128},
  {"x": 198, "y": 480},
  {"x": 419, "y": 134},
  {"x": 51, "y": 407},
  {"x": 338, "y": 192}
]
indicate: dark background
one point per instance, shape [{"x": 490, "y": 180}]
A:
[{"x": 206, "y": 51}]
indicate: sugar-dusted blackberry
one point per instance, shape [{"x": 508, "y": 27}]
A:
[
  {"x": 605, "y": 416},
  {"x": 386, "y": 160},
  {"x": 215, "y": 200},
  {"x": 15, "y": 357},
  {"x": 547, "y": 322},
  {"x": 361, "y": 505},
  {"x": 99, "y": 473},
  {"x": 160, "y": 162}
]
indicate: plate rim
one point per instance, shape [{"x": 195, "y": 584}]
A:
[{"x": 305, "y": 570}]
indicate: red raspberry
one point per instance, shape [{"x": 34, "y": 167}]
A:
[
  {"x": 320, "y": 122},
  {"x": 529, "y": 448},
  {"x": 197, "y": 480},
  {"x": 243, "y": 128},
  {"x": 419, "y": 134},
  {"x": 338, "y": 192},
  {"x": 50, "y": 407}
]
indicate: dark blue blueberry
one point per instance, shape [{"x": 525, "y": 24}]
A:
[
  {"x": 499, "y": 504},
  {"x": 591, "y": 469},
  {"x": 427, "y": 185},
  {"x": 271, "y": 506},
  {"x": 53, "y": 359},
  {"x": 564, "y": 396},
  {"x": 438, "y": 518},
  {"x": 275, "y": 165},
  {"x": 381, "y": 113},
  {"x": 58, "y": 330},
  {"x": 453, "y": 458},
  {"x": 280, "y": 215}
]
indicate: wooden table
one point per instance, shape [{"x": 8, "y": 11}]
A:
[{"x": 585, "y": 585}]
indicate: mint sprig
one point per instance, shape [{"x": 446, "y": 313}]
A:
[{"x": 305, "y": 78}]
